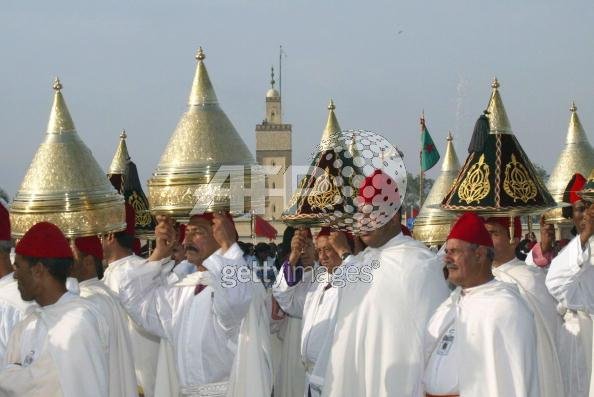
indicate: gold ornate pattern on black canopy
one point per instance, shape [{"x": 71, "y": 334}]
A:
[
  {"x": 498, "y": 179},
  {"x": 303, "y": 209}
]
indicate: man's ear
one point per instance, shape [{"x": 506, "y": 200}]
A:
[
  {"x": 37, "y": 270},
  {"x": 481, "y": 251}
]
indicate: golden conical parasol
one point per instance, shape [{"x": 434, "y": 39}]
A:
[
  {"x": 203, "y": 144},
  {"x": 65, "y": 185},
  {"x": 576, "y": 156},
  {"x": 432, "y": 225}
]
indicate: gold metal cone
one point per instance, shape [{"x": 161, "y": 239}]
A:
[
  {"x": 576, "y": 156},
  {"x": 498, "y": 120},
  {"x": 65, "y": 185},
  {"x": 120, "y": 158},
  {"x": 432, "y": 225},
  {"x": 500, "y": 180},
  {"x": 203, "y": 141},
  {"x": 332, "y": 125}
]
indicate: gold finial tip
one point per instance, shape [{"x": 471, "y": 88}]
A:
[
  {"x": 200, "y": 54},
  {"x": 123, "y": 134},
  {"x": 57, "y": 84},
  {"x": 331, "y": 105},
  {"x": 450, "y": 137},
  {"x": 495, "y": 84},
  {"x": 573, "y": 108}
]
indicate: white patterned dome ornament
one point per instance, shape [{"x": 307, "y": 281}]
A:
[{"x": 368, "y": 180}]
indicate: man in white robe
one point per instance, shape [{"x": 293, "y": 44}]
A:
[
  {"x": 60, "y": 348},
  {"x": 482, "y": 340},
  {"x": 304, "y": 289},
  {"x": 570, "y": 280},
  {"x": 388, "y": 296},
  {"x": 12, "y": 306},
  {"x": 530, "y": 281},
  {"x": 122, "y": 264},
  {"x": 87, "y": 269},
  {"x": 201, "y": 314},
  {"x": 576, "y": 334}
]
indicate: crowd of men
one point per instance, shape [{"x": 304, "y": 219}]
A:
[{"x": 324, "y": 314}]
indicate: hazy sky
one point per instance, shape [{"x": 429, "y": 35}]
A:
[{"x": 129, "y": 64}]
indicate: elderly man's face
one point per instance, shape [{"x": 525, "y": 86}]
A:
[
  {"x": 326, "y": 254},
  {"x": 463, "y": 262}
]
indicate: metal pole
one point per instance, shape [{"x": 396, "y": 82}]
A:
[{"x": 280, "y": 71}]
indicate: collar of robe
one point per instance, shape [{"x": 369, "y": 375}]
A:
[{"x": 191, "y": 280}]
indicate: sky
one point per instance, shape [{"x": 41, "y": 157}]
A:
[{"x": 129, "y": 65}]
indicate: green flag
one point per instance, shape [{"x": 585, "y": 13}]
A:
[{"x": 429, "y": 153}]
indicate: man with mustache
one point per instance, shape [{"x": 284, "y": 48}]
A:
[
  {"x": 481, "y": 341},
  {"x": 198, "y": 315}
]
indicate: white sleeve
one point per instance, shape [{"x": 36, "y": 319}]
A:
[
  {"x": 570, "y": 278},
  {"x": 9, "y": 317},
  {"x": 530, "y": 259},
  {"x": 291, "y": 298},
  {"x": 149, "y": 301},
  {"x": 232, "y": 293}
]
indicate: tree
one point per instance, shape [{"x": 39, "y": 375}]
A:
[
  {"x": 541, "y": 173},
  {"x": 411, "y": 198}
]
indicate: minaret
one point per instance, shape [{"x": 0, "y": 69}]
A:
[{"x": 274, "y": 148}]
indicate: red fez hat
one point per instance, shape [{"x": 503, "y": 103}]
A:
[
  {"x": 209, "y": 216},
  {"x": 504, "y": 221},
  {"x": 324, "y": 231},
  {"x": 4, "y": 223},
  {"x": 130, "y": 220},
  {"x": 44, "y": 240},
  {"x": 471, "y": 228},
  {"x": 90, "y": 246},
  {"x": 576, "y": 183}
]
